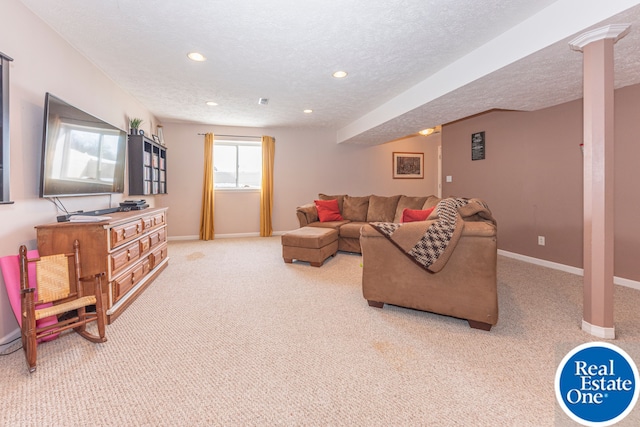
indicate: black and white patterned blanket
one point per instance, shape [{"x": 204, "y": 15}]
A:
[{"x": 431, "y": 243}]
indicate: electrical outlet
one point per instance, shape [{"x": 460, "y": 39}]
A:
[{"x": 541, "y": 240}]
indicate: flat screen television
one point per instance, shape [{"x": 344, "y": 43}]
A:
[{"x": 81, "y": 154}]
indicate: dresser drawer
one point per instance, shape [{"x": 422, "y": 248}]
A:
[
  {"x": 121, "y": 234},
  {"x": 158, "y": 255},
  {"x": 158, "y": 219},
  {"x": 144, "y": 244},
  {"x": 120, "y": 260},
  {"x": 154, "y": 221},
  {"x": 157, "y": 237},
  {"x": 123, "y": 283}
]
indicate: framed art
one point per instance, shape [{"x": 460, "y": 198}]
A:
[
  {"x": 408, "y": 165},
  {"x": 477, "y": 146},
  {"x": 156, "y": 138}
]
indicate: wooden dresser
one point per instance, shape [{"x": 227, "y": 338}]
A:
[{"x": 131, "y": 248}]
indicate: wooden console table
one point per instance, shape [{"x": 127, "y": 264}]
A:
[{"x": 131, "y": 248}]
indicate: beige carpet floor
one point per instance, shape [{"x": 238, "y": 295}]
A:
[{"x": 229, "y": 335}]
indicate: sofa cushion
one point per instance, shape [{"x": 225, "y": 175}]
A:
[
  {"x": 412, "y": 215},
  {"x": 382, "y": 209},
  {"x": 431, "y": 202},
  {"x": 355, "y": 208},
  {"x": 351, "y": 230},
  {"x": 408, "y": 202},
  {"x": 329, "y": 224},
  {"x": 339, "y": 198},
  {"x": 328, "y": 210}
]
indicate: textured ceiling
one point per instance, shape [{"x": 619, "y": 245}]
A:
[{"x": 286, "y": 51}]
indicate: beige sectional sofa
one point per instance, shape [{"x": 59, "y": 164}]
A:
[
  {"x": 463, "y": 285},
  {"x": 358, "y": 211}
]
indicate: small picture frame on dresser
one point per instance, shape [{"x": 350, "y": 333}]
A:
[{"x": 156, "y": 139}]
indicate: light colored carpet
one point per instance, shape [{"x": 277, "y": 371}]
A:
[{"x": 230, "y": 335}]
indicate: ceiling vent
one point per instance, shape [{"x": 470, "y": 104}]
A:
[{"x": 263, "y": 101}]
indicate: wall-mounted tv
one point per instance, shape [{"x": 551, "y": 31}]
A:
[{"x": 81, "y": 154}]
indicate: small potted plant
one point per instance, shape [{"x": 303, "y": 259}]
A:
[{"x": 134, "y": 124}]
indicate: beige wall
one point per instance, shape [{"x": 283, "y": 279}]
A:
[
  {"x": 532, "y": 178},
  {"x": 43, "y": 62},
  {"x": 307, "y": 162}
]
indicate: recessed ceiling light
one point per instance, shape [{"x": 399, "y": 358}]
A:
[
  {"x": 425, "y": 132},
  {"x": 307, "y": 111},
  {"x": 195, "y": 56},
  {"x": 340, "y": 74},
  {"x": 211, "y": 103}
]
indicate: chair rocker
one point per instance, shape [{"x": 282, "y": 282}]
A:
[{"x": 53, "y": 284}]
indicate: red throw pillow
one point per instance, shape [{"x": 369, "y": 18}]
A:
[
  {"x": 328, "y": 210},
  {"x": 412, "y": 215}
]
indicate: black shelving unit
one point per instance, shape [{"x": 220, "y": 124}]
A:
[{"x": 147, "y": 166}]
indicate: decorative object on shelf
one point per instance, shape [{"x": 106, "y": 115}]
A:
[
  {"x": 160, "y": 134},
  {"x": 156, "y": 138},
  {"x": 134, "y": 124},
  {"x": 408, "y": 165}
]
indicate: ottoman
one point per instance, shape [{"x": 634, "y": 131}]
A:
[{"x": 310, "y": 244}]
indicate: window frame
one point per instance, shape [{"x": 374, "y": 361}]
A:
[{"x": 236, "y": 143}]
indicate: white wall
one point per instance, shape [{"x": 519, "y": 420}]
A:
[
  {"x": 43, "y": 62},
  {"x": 307, "y": 162}
]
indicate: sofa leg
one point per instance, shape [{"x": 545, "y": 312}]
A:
[
  {"x": 375, "y": 304},
  {"x": 288, "y": 260},
  {"x": 479, "y": 325},
  {"x": 316, "y": 264}
]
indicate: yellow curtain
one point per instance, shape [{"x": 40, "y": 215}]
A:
[
  {"x": 206, "y": 215},
  {"x": 266, "y": 192}
]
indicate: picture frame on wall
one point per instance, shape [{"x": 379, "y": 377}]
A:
[{"x": 408, "y": 165}]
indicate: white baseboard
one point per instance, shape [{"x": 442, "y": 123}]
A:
[
  {"x": 567, "y": 268},
  {"x": 6, "y": 340},
  {"x": 598, "y": 331},
  {"x": 225, "y": 236}
]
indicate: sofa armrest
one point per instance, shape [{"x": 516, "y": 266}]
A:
[{"x": 307, "y": 214}]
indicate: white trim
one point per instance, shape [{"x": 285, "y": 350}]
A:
[
  {"x": 598, "y": 331},
  {"x": 225, "y": 236},
  {"x": 615, "y": 32},
  {"x": 567, "y": 268},
  {"x": 192, "y": 237},
  {"x": 542, "y": 262},
  {"x": 238, "y": 189},
  {"x": 626, "y": 282},
  {"x": 7, "y": 339}
]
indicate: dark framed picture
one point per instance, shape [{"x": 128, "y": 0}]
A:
[
  {"x": 156, "y": 138},
  {"x": 408, "y": 165},
  {"x": 477, "y": 146}
]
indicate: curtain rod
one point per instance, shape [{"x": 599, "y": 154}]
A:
[{"x": 233, "y": 136}]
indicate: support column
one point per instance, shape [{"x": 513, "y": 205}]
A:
[{"x": 597, "y": 47}]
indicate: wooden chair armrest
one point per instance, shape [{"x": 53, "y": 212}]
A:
[{"x": 92, "y": 277}]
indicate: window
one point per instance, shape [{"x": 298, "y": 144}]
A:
[{"x": 237, "y": 164}]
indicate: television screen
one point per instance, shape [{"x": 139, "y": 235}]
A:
[{"x": 81, "y": 154}]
